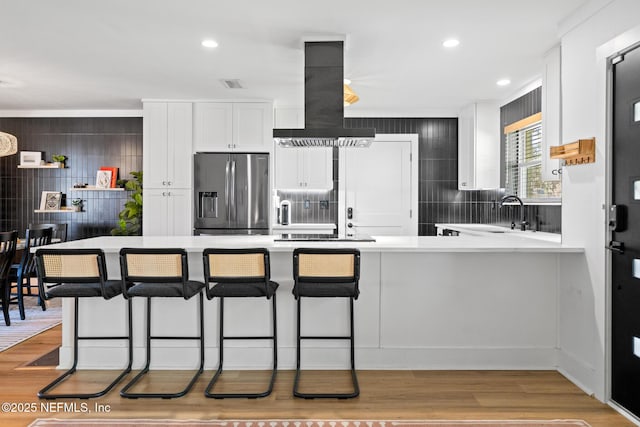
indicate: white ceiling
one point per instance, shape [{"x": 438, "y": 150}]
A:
[{"x": 110, "y": 54}]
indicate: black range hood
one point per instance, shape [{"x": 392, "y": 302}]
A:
[{"x": 324, "y": 102}]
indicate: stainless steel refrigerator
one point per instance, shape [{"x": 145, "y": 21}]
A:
[{"x": 231, "y": 193}]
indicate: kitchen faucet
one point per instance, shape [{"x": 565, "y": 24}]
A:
[{"x": 514, "y": 198}]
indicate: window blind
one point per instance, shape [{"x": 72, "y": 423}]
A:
[{"x": 523, "y": 162}]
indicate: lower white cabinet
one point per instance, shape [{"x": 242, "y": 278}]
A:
[
  {"x": 166, "y": 212},
  {"x": 306, "y": 168}
]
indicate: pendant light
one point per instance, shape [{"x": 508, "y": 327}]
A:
[{"x": 8, "y": 144}]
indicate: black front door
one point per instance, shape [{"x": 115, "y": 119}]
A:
[{"x": 626, "y": 237}]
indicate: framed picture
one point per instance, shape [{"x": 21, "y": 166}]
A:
[
  {"x": 30, "y": 158},
  {"x": 114, "y": 174},
  {"x": 103, "y": 179},
  {"x": 50, "y": 200}
]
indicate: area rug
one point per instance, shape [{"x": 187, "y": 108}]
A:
[
  {"x": 306, "y": 423},
  {"x": 35, "y": 322}
]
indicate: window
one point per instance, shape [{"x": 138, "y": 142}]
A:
[{"x": 523, "y": 165}]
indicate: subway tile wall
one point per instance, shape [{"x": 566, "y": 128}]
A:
[{"x": 88, "y": 144}]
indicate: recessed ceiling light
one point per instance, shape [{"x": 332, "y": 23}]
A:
[
  {"x": 347, "y": 81},
  {"x": 503, "y": 82},
  {"x": 451, "y": 43},
  {"x": 209, "y": 43}
]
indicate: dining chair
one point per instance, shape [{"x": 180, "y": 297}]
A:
[
  {"x": 8, "y": 243},
  {"x": 58, "y": 231},
  {"x": 22, "y": 273}
]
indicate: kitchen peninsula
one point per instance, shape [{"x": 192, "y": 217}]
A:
[{"x": 464, "y": 302}]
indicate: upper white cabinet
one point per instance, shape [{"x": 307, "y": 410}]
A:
[
  {"x": 551, "y": 113},
  {"x": 479, "y": 146},
  {"x": 233, "y": 126},
  {"x": 307, "y": 168},
  {"x": 167, "y": 144}
]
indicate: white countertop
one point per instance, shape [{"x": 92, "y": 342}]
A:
[
  {"x": 503, "y": 242},
  {"x": 490, "y": 230}
]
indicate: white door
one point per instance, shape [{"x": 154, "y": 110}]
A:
[
  {"x": 154, "y": 213},
  {"x": 379, "y": 187}
]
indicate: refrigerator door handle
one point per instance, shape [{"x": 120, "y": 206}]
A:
[
  {"x": 226, "y": 188},
  {"x": 233, "y": 190}
]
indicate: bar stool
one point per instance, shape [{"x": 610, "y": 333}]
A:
[
  {"x": 326, "y": 273},
  {"x": 22, "y": 273},
  {"x": 239, "y": 273},
  {"x": 78, "y": 273},
  {"x": 8, "y": 243},
  {"x": 161, "y": 273}
]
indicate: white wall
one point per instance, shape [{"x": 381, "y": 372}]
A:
[{"x": 583, "y": 297}]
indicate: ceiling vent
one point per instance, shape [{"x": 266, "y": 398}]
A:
[{"x": 232, "y": 83}]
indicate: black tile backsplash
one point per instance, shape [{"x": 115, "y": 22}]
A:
[{"x": 88, "y": 144}]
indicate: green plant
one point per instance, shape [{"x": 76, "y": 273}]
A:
[
  {"x": 130, "y": 222},
  {"x": 76, "y": 202},
  {"x": 60, "y": 158}
]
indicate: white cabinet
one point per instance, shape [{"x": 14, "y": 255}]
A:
[
  {"x": 307, "y": 168},
  {"x": 167, "y": 212},
  {"x": 479, "y": 146},
  {"x": 167, "y": 165},
  {"x": 233, "y": 126},
  {"x": 551, "y": 113},
  {"x": 167, "y": 141}
]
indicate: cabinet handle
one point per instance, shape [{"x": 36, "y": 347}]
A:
[
  {"x": 228, "y": 145},
  {"x": 164, "y": 193},
  {"x": 168, "y": 193},
  {"x": 168, "y": 182},
  {"x": 164, "y": 182}
]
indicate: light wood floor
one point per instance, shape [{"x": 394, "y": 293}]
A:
[{"x": 384, "y": 395}]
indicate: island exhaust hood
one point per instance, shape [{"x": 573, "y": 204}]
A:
[{"x": 324, "y": 102}]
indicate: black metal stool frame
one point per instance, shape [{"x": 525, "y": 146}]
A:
[
  {"x": 42, "y": 279},
  {"x": 222, "y": 336},
  {"x": 354, "y": 280},
  {"x": 127, "y": 282}
]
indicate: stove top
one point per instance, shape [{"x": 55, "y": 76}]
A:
[{"x": 322, "y": 238}]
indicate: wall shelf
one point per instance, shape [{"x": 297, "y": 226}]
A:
[
  {"x": 576, "y": 153},
  {"x": 47, "y": 166},
  {"x": 64, "y": 210},
  {"x": 94, "y": 188}
]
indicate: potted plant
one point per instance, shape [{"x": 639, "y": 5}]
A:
[
  {"x": 58, "y": 160},
  {"x": 130, "y": 222},
  {"x": 77, "y": 205}
]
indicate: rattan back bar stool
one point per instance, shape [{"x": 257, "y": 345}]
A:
[
  {"x": 326, "y": 273},
  {"x": 79, "y": 273},
  {"x": 240, "y": 273},
  {"x": 160, "y": 273},
  {"x": 8, "y": 244}
]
